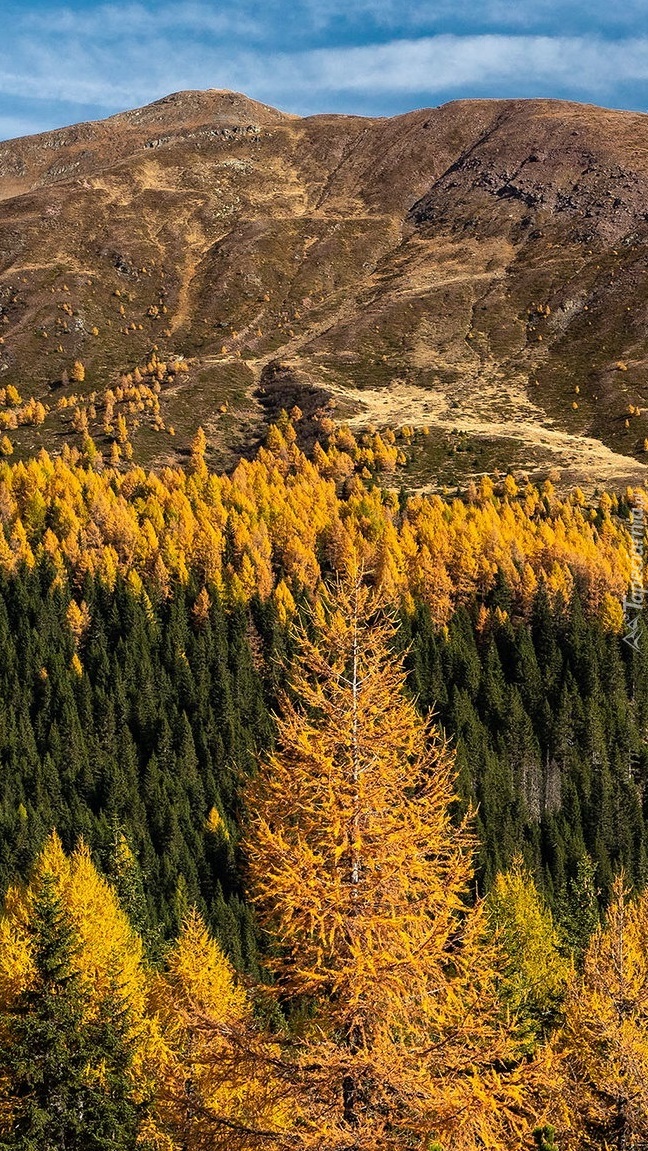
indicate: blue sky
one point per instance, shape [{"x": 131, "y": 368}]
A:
[{"x": 81, "y": 60}]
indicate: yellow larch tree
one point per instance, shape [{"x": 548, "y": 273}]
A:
[
  {"x": 535, "y": 973},
  {"x": 109, "y": 952},
  {"x": 361, "y": 879},
  {"x": 109, "y": 955},
  {"x": 209, "y": 1095},
  {"x": 198, "y": 449},
  {"x": 604, "y": 1042}
]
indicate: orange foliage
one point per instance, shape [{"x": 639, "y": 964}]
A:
[
  {"x": 282, "y": 520},
  {"x": 360, "y": 876}
]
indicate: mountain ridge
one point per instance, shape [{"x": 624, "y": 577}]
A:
[{"x": 477, "y": 268}]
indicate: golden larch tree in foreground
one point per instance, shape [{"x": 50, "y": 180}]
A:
[
  {"x": 359, "y": 874},
  {"x": 109, "y": 954}
]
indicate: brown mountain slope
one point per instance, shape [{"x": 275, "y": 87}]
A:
[{"x": 480, "y": 268}]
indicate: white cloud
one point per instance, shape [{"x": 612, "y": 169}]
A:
[
  {"x": 130, "y": 19},
  {"x": 448, "y": 62},
  {"x": 125, "y": 69},
  {"x": 252, "y": 20}
]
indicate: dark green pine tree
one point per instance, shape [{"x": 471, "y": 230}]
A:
[
  {"x": 578, "y": 910},
  {"x": 125, "y": 874},
  {"x": 69, "y": 1088}
]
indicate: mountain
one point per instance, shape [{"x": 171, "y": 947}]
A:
[{"x": 478, "y": 268}]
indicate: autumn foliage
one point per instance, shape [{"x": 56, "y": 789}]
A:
[
  {"x": 396, "y": 1011},
  {"x": 604, "y": 1042},
  {"x": 280, "y": 522},
  {"x": 361, "y": 878},
  {"x": 403, "y": 1013}
]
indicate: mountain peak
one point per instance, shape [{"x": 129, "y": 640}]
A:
[{"x": 477, "y": 268}]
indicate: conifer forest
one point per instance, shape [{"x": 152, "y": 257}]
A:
[{"x": 323, "y": 820}]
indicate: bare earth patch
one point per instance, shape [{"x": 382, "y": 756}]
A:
[{"x": 581, "y": 459}]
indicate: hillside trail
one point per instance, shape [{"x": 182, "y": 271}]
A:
[
  {"x": 406, "y": 404},
  {"x": 487, "y": 404}
]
